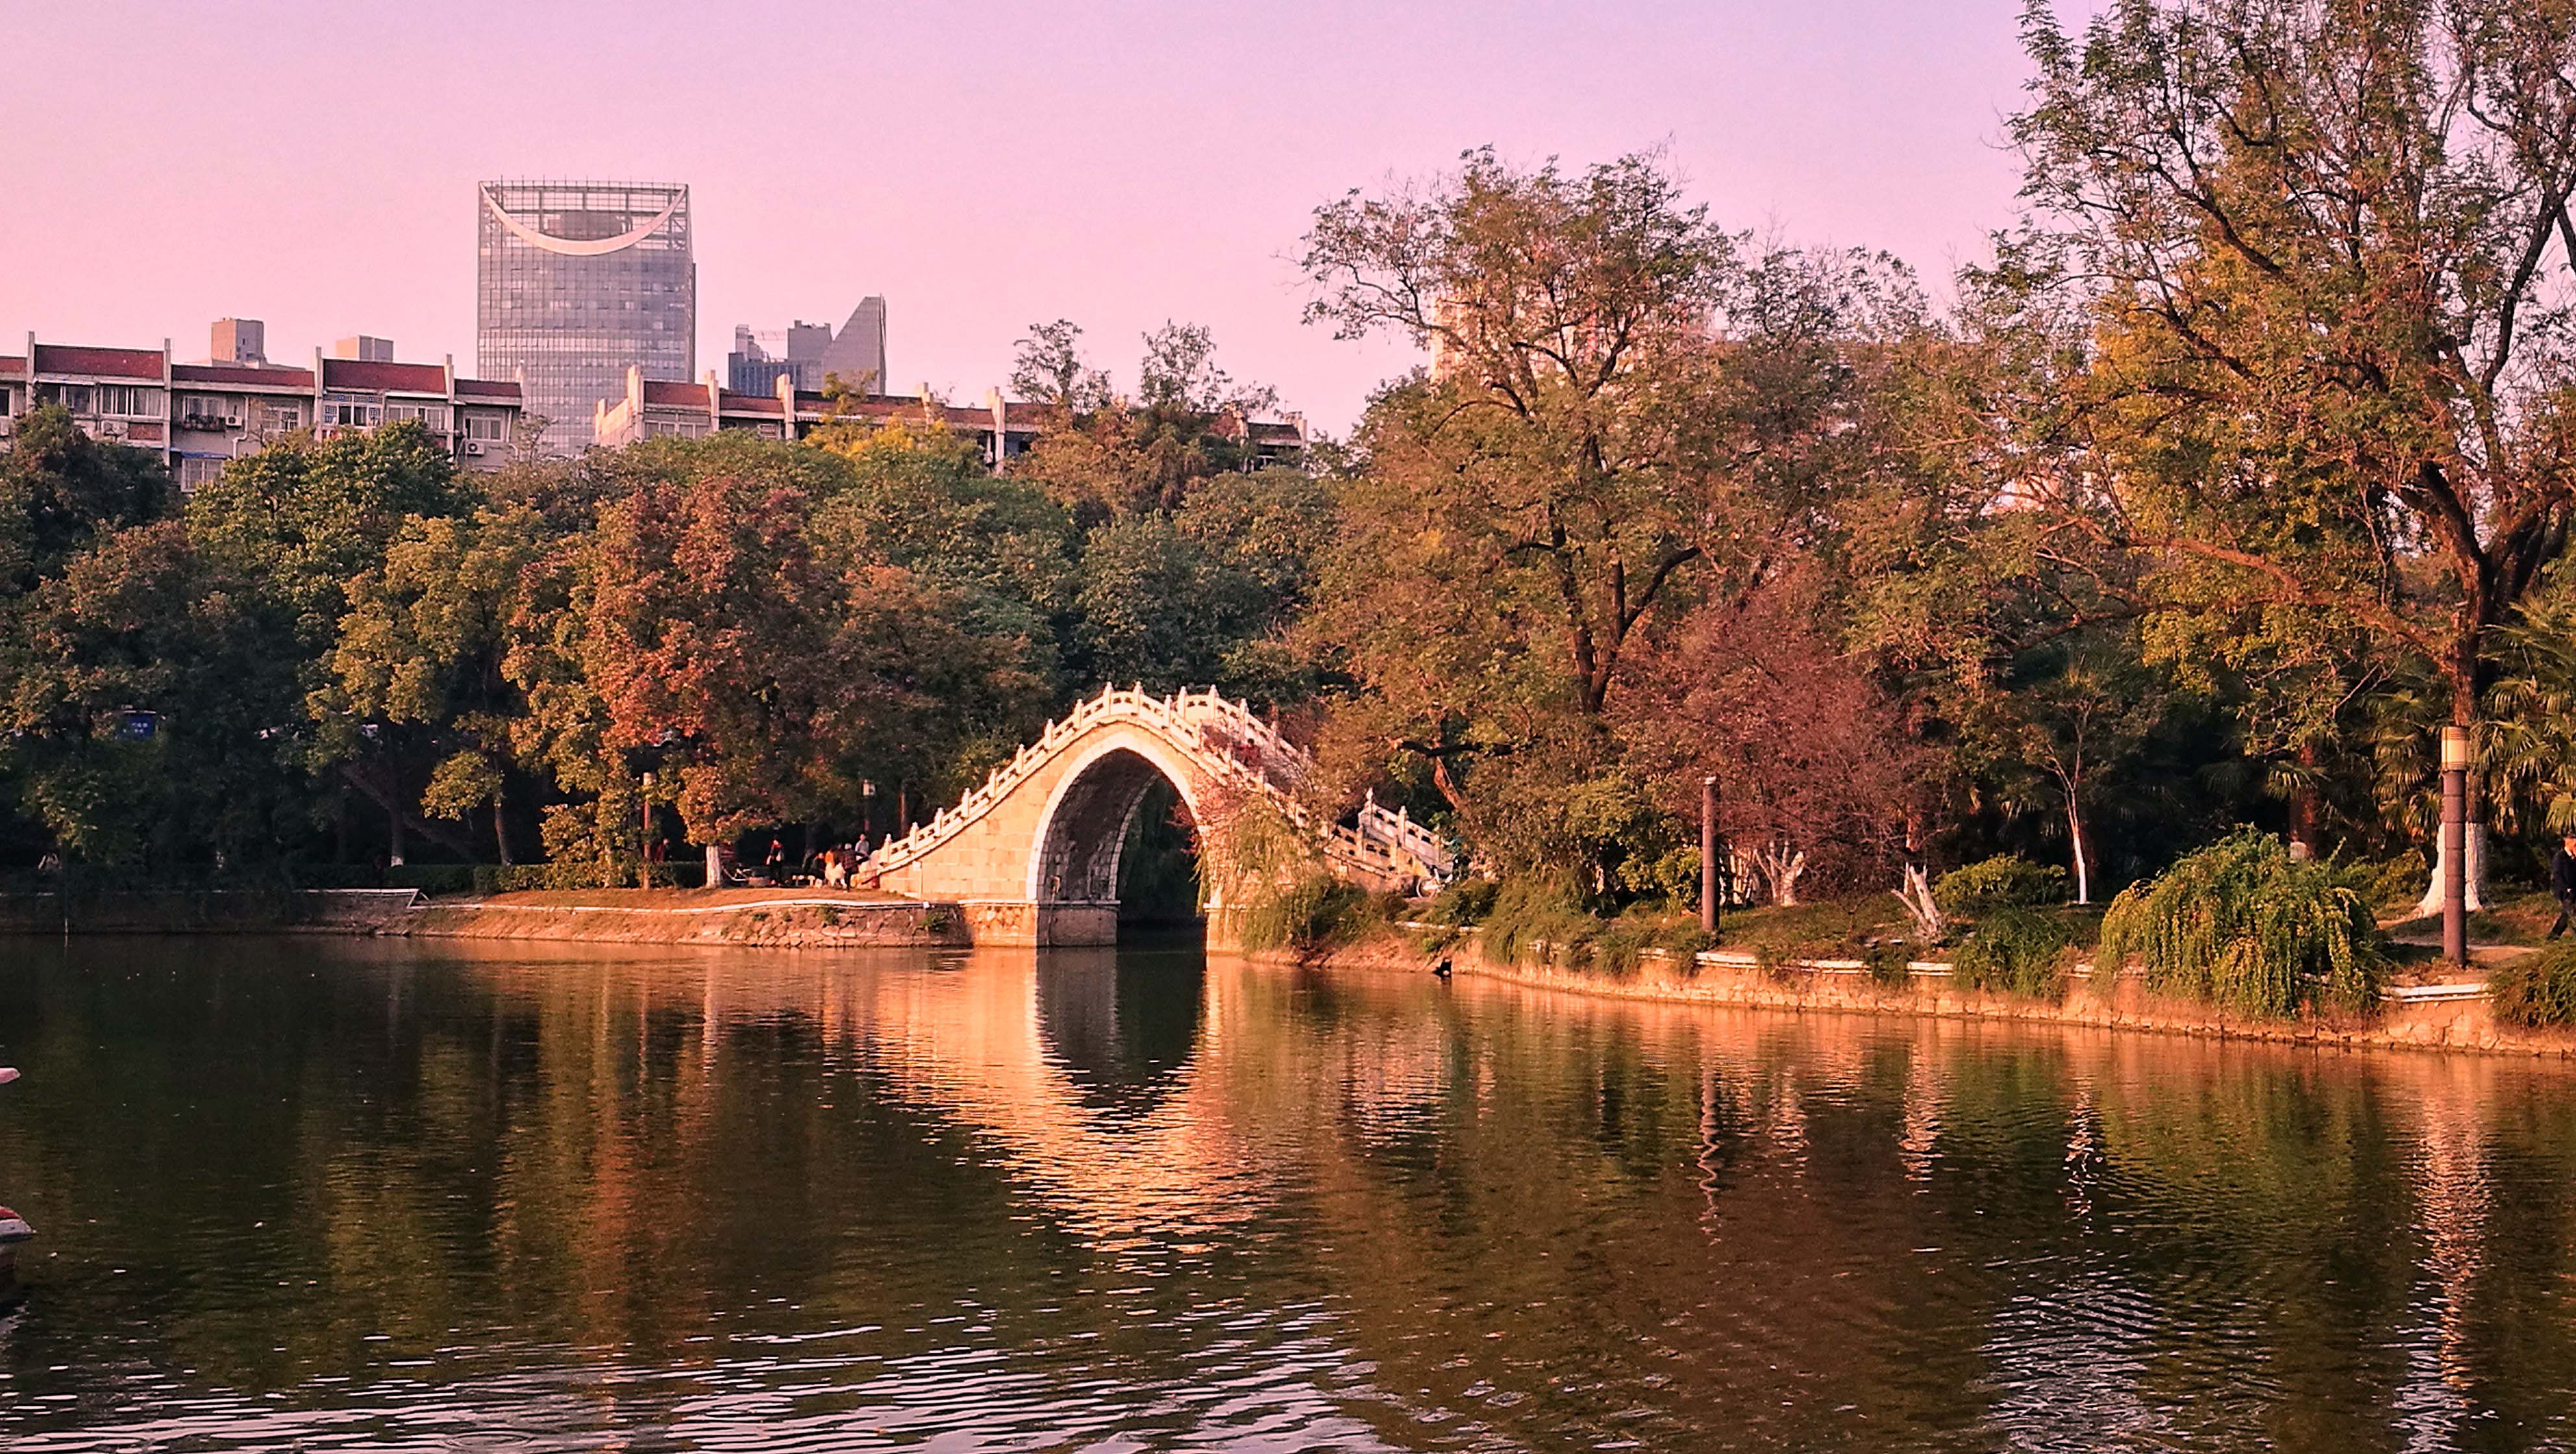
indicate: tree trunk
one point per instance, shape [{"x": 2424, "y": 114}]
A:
[
  {"x": 500, "y": 829},
  {"x": 2303, "y": 807},
  {"x": 394, "y": 849},
  {"x": 2431, "y": 904},
  {"x": 2083, "y": 851},
  {"x": 1915, "y": 893},
  {"x": 1782, "y": 866},
  {"x": 715, "y": 866}
]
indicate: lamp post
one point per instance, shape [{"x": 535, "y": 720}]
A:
[
  {"x": 644, "y": 845},
  {"x": 2455, "y": 844},
  {"x": 1708, "y": 855}
]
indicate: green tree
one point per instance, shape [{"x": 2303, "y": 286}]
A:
[
  {"x": 60, "y": 491},
  {"x": 146, "y": 623},
  {"x": 2330, "y": 255},
  {"x": 1048, "y": 367},
  {"x": 1204, "y": 596},
  {"x": 1179, "y": 375},
  {"x": 422, "y": 650}
]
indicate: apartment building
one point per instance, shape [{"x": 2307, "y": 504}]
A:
[
  {"x": 659, "y": 409},
  {"x": 199, "y": 415},
  {"x": 1002, "y": 428}
]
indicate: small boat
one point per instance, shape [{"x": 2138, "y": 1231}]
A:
[{"x": 13, "y": 1230}]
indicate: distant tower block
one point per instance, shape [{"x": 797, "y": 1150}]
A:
[
  {"x": 364, "y": 348},
  {"x": 239, "y": 340}
]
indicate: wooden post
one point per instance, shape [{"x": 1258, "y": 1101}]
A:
[{"x": 1708, "y": 855}]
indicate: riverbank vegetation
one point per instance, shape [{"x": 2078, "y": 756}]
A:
[{"x": 2187, "y": 517}]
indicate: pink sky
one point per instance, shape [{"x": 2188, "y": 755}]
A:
[{"x": 984, "y": 167}]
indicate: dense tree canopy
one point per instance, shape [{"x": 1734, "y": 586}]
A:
[{"x": 2243, "y": 462}]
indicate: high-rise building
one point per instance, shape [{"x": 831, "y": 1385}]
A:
[
  {"x": 575, "y": 281},
  {"x": 362, "y": 347},
  {"x": 811, "y": 353},
  {"x": 858, "y": 351}
]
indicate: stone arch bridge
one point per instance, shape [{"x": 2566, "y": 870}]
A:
[{"x": 1031, "y": 856}]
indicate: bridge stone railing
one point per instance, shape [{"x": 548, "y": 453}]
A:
[{"x": 1224, "y": 739}]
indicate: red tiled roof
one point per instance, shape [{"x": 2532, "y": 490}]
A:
[
  {"x": 666, "y": 391},
  {"x": 354, "y": 373},
  {"x": 113, "y": 363},
  {"x": 750, "y": 403},
  {"x": 14, "y": 367},
  {"x": 487, "y": 389},
  {"x": 249, "y": 375}
]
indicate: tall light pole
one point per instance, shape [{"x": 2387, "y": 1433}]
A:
[
  {"x": 1708, "y": 856},
  {"x": 2455, "y": 845}
]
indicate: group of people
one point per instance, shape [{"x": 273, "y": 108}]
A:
[{"x": 833, "y": 865}]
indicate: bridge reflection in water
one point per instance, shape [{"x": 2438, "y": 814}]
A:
[{"x": 1021, "y": 1199}]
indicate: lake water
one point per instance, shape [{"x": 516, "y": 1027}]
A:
[{"x": 318, "y": 1195}]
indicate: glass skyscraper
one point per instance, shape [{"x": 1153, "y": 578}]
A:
[{"x": 574, "y": 282}]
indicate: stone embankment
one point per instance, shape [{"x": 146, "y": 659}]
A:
[
  {"x": 780, "y": 918},
  {"x": 774, "y": 918},
  {"x": 2423, "y": 1017}
]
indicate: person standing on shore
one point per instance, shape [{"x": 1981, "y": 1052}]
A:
[{"x": 2562, "y": 882}]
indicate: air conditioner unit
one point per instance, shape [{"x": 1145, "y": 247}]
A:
[{"x": 474, "y": 446}]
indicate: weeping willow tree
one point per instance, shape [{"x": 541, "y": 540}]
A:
[
  {"x": 1257, "y": 868},
  {"x": 2243, "y": 925}
]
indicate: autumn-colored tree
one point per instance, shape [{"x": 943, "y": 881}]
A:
[
  {"x": 1629, "y": 413},
  {"x": 1811, "y": 755}
]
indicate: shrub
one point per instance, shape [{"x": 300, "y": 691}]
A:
[
  {"x": 2014, "y": 950},
  {"x": 1889, "y": 962},
  {"x": 1465, "y": 902},
  {"x": 2240, "y": 924},
  {"x": 2537, "y": 990},
  {"x": 1771, "y": 962},
  {"x": 1308, "y": 915},
  {"x": 2000, "y": 882},
  {"x": 432, "y": 878},
  {"x": 1531, "y": 911},
  {"x": 2395, "y": 883}
]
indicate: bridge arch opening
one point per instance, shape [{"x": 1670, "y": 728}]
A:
[{"x": 1122, "y": 832}]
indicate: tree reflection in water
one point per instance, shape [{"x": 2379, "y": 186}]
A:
[{"x": 370, "y": 1195}]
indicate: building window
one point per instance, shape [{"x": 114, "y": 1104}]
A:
[
  {"x": 432, "y": 417},
  {"x": 74, "y": 397},
  {"x": 348, "y": 414},
  {"x": 128, "y": 401},
  {"x": 490, "y": 428},
  {"x": 195, "y": 471},
  {"x": 281, "y": 418},
  {"x": 210, "y": 410}
]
